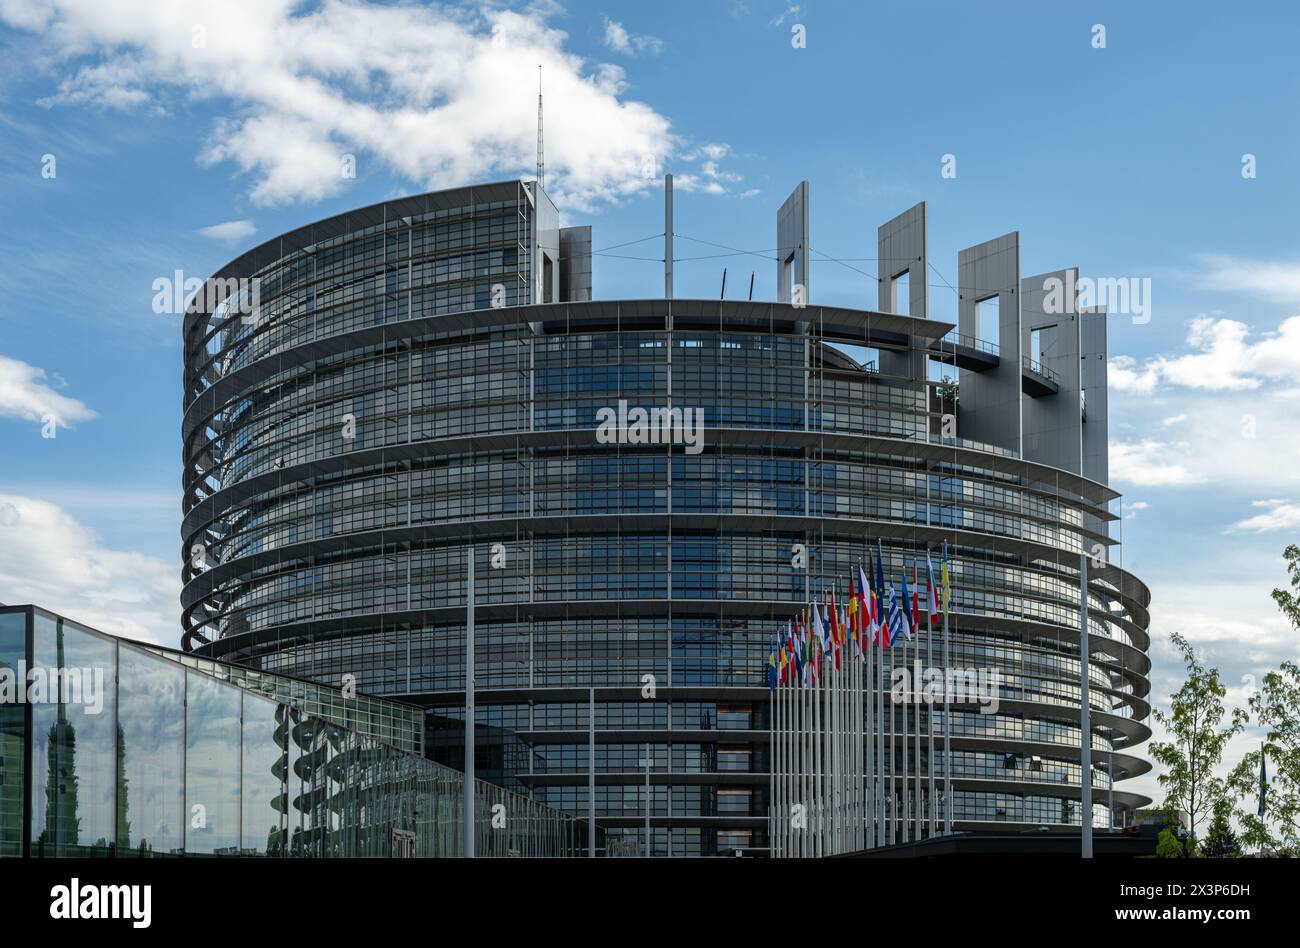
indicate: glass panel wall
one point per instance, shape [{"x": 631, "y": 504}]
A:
[
  {"x": 151, "y": 719},
  {"x": 71, "y": 689},
  {"x": 212, "y": 764},
  {"x": 134, "y": 754},
  {"x": 13, "y": 730}
]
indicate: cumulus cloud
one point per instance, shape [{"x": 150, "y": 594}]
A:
[
  {"x": 437, "y": 95},
  {"x": 49, "y": 558},
  {"x": 621, "y": 41},
  {"x": 1148, "y": 463},
  {"x": 229, "y": 230},
  {"x": 1221, "y": 412},
  {"x": 26, "y": 393},
  {"x": 1227, "y": 356},
  {"x": 1279, "y": 515}
]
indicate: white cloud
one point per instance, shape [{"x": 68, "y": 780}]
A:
[
  {"x": 1227, "y": 359},
  {"x": 25, "y": 393},
  {"x": 49, "y": 558},
  {"x": 1274, "y": 280},
  {"x": 1123, "y": 375},
  {"x": 439, "y": 96},
  {"x": 1148, "y": 463},
  {"x": 624, "y": 43},
  {"x": 229, "y": 230},
  {"x": 1280, "y": 515},
  {"x": 1131, "y": 510},
  {"x": 711, "y": 178},
  {"x": 1224, "y": 415}
]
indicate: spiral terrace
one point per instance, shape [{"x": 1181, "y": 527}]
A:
[{"x": 317, "y": 551}]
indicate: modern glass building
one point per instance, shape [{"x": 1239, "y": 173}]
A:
[
  {"x": 116, "y": 748},
  {"x": 420, "y": 382}
]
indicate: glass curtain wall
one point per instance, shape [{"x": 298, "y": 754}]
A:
[{"x": 127, "y": 753}]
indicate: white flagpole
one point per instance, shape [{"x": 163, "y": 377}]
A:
[
  {"x": 948, "y": 793},
  {"x": 782, "y": 809},
  {"x": 907, "y": 728},
  {"x": 833, "y": 746},
  {"x": 861, "y": 792},
  {"x": 895, "y": 804},
  {"x": 815, "y": 744},
  {"x": 878, "y": 729},
  {"x": 930, "y": 706},
  {"x": 771, "y": 766},
  {"x": 918, "y": 803}
]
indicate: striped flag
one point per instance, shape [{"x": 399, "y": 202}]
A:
[
  {"x": 882, "y": 620},
  {"x": 929, "y": 583}
]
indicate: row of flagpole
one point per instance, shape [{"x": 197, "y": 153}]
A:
[{"x": 835, "y": 783}]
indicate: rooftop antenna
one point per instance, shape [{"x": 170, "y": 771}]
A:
[{"x": 541, "y": 158}]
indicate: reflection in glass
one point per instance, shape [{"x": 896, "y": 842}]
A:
[
  {"x": 13, "y": 651},
  {"x": 151, "y": 719},
  {"x": 74, "y": 767},
  {"x": 264, "y": 761},
  {"x": 211, "y": 766}
]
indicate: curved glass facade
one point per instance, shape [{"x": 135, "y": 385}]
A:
[{"x": 348, "y": 447}]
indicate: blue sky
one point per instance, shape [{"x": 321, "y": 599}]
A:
[{"x": 1125, "y": 161}]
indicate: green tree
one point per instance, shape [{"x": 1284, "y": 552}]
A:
[
  {"x": 1196, "y": 740},
  {"x": 1220, "y": 840},
  {"x": 1168, "y": 846}
]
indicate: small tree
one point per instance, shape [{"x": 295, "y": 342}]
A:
[
  {"x": 1196, "y": 740},
  {"x": 1220, "y": 840},
  {"x": 1168, "y": 846}
]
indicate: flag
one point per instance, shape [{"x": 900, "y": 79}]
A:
[
  {"x": 933, "y": 607},
  {"x": 832, "y": 615},
  {"x": 771, "y": 664},
  {"x": 817, "y": 626},
  {"x": 796, "y": 661},
  {"x": 784, "y": 665},
  {"x": 836, "y": 631},
  {"x": 904, "y": 623},
  {"x": 805, "y": 656},
  {"x": 947, "y": 586},
  {"x": 851, "y": 613},
  {"x": 882, "y": 619},
  {"x": 893, "y": 627},
  {"x": 851, "y": 610},
  {"x": 916, "y": 598},
  {"x": 1263, "y": 782}
]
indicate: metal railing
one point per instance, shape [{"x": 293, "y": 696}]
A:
[
  {"x": 953, "y": 337},
  {"x": 1039, "y": 369}
]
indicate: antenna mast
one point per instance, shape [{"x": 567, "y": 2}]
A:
[{"x": 541, "y": 159}]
